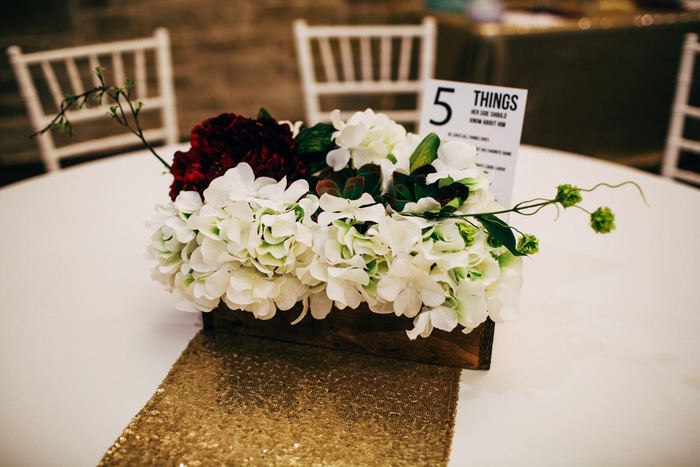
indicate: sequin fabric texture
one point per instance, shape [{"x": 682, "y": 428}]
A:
[{"x": 238, "y": 400}]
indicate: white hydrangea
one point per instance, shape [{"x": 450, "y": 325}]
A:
[
  {"x": 242, "y": 245},
  {"x": 366, "y": 138}
]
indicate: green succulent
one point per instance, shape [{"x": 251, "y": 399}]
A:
[
  {"x": 366, "y": 179},
  {"x": 411, "y": 188}
]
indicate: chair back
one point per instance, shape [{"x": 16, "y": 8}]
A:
[
  {"x": 676, "y": 141},
  {"x": 386, "y": 60},
  {"x": 45, "y": 76}
]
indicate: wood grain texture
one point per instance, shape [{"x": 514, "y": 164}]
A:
[{"x": 361, "y": 330}]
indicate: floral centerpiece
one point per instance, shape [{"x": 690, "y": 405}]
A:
[{"x": 266, "y": 214}]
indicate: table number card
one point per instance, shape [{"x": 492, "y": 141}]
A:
[{"x": 488, "y": 117}]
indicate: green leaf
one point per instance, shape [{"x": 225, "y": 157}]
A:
[
  {"x": 454, "y": 203},
  {"x": 263, "y": 113},
  {"x": 315, "y": 139},
  {"x": 372, "y": 175},
  {"x": 354, "y": 187},
  {"x": 397, "y": 204},
  {"x": 445, "y": 181},
  {"x": 419, "y": 191},
  {"x": 327, "y": 186},
  {"x": 425, "y": 153},
  {"x": 500, "y": 231},
  {"x": 403, "y": 191}
]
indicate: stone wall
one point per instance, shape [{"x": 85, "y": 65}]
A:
[{"x": 228, "y": 55}]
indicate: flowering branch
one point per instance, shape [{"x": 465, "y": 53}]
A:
[
  {"x": 117, "y": 111},
  {"x": 602, "y": 220}
]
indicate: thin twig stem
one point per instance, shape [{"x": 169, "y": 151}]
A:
[{"x": 117, "y": 112}]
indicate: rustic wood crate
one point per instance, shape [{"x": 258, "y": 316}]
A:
[{"x": 361, "y": 330}]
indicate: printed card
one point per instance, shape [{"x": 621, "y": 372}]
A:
[{"x": 488, "y": 117}]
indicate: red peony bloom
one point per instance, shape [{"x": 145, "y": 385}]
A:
[{"x": 220, "y": 143}]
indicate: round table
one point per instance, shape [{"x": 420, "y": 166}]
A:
[{"x": 602, "y": 368}]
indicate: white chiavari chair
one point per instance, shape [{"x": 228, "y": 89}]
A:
[
  {"x": 364, "y": 60},
  {"x": 681, "y": 110},
  {"x": 44, "y": 76}
]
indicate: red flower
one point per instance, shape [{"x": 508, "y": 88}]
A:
[{"x": 220, "y": 143}]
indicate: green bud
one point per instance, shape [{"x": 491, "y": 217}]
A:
[
  {"x": 493, "y": 242},
  {"x": 603, "y": 220},
  {"x": 528, "y": 244},
  {"x": 64, "y": 127},
  {"x": 467, "y": 232},
  {"x": 371, "y": 268},
  {"x": 299, "y": 212},
  {"x": 459, "y": 273},
  {"x": 568, "y": 195}
]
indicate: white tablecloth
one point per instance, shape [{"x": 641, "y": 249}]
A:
[{"x": 603, "y": 367}]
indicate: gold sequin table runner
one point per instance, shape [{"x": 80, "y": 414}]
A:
[{"x": 239, "y": 400}]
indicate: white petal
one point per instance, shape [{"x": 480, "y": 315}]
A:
[
  {"x": 319, "y": 270},
  {"x": 443, "y": 318},
  {"x": 241, "y": 179},
  {"x": 326, "y": 218},
  {"x": 332, "y": 203},
  {"x": 304, "y": 310},
  {"x": 217, "y": 193},
  {"x": 264, "y": 310},
  {"x": 466, "y": 173},
  {"x": 353, "y": 134},
  {"x": 321, "y": 305},
  {"x": 365, "y": 155},
  {"x": 295, "y": 191},
  {"x": 338, "y": 158},
  {"x": 282, "y": 225},
  {"x": 457, "y": 154},
  {"x": 421, "y": 325},
  {"x": 431, "y": 292},
  {"x": 217, "y": 283},
  {"x": 408, "y": 303},
  {"x": 335, "y": 120},
  {"x": 336, "y": 291},
  {"x": 401, "y": 235},
  {"x": 181, "y": 302},
  {"x": 389, "y": 287},
  {"x": 435, "y": 176},
  {"x": 188, "y": 201},
  {"x": 197, "y": 262},
  {"x": 285, "y": 301},
  {"x": 273, "y": 191},
  {"x": 350, "y": 274},
  {"x": 374, "y": 213},
  {"x": 364, "y": 200}
]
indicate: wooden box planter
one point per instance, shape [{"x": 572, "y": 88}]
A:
[{"x": 361, "y": 330}]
